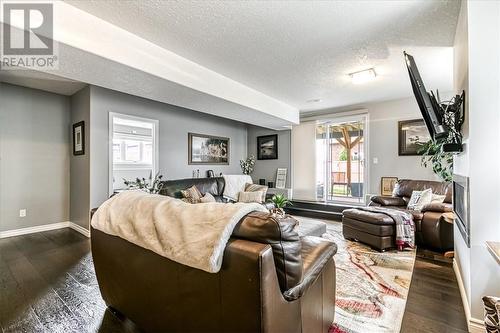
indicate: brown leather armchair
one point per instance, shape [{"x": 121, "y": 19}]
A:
[
  {"x": 271, "y": 281},
  {"x": 431, "y": 228}
]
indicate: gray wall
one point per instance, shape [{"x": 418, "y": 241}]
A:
[
  {"x": 174, "y": 125},
  {"x": 80, "y": 165},
  {"x": 267, "y": 168},
  {"x": 383, "y": 118},
  {"x": 34, "y": 157},
  {"x": 477, "y": 70},
  {"x": 383, "y": 143}
]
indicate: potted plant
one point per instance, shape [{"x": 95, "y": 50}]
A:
[
  {"x": 433, "y": 155},
  {"x": 152, "y": 187},
  {"x": 280, "y": 202},
  {"x": 247, "y": 165}
]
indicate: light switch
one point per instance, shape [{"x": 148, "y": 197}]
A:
[
  {"x": 22, "y": 213},
  {"x": 375, "y": 160}
]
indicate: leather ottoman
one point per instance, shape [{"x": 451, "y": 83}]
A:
[
  {"x": 374, "y": 229},
  {"x": 311, "y": 228}
]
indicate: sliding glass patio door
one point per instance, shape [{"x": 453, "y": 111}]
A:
[{"x": 340, "y": 160}]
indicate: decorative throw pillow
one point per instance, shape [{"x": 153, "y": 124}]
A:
[
  {"x": 438, "y": 198},
  {"x": 419, "y": 199},
  {"x": 207, "y": 198},
  {"x": 191, "y": 195},
  {"x": 491, "y": 313},
  {"x": 250, "y": 197},
  {"x": 254, "y": 188}
]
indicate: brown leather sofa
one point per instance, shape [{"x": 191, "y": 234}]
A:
[
  {"x": 271, "y": 280},
  {"x": 214, "y": 186},
  {"x": 377, "y": 230}
]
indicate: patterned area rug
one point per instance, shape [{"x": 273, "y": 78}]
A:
[{"x": 372, "y": 287}]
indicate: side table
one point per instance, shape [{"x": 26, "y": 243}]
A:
[{"x": 449, "y": 218}]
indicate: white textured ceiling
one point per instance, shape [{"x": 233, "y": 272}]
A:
[
  {"x": 41, "y": 81},
  {"x": 295, "y": 51}
]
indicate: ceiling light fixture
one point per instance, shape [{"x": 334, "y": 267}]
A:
[
  {"x": 366, "y": 75},
  {"x": 315, "y": 100}
]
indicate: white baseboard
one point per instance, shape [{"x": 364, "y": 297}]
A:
[
  {"x": 79, "y": 228},
  {"x": 45, "y": 227},
  {"x": 475, "y": 325}
]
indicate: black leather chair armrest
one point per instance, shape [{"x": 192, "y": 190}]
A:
[
  {"x": 281, "y": 233},
  {"x": 316, "y": 253},
  {"x": 388, "y": 201},
  {"x": 438, "y": 207}
]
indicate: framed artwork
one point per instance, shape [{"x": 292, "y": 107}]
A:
[
  {"x": 387, "y": 185},
  {"x": 207, "y": 149},
  {"x": 281, "y": 178},
  {"x": 267, "y": 147},
  {"x": 79, "y": 138},
  {"x": 410, "y": 132}
]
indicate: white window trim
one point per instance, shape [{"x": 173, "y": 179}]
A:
[
  {"x": 354, "y": 116},
  {"x": 156, "y": 149}
]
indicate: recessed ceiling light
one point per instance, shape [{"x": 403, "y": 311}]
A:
[
  {"x": 315, "y": 100},
  {"x": 363, "y": 76}
]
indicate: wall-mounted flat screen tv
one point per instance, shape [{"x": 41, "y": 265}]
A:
[{"x": 427, "y": 102}]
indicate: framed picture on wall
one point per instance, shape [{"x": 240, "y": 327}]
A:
[
  {"x": 267, "y": 147},
  {"x": 387, "y": 185},
  {"x": 79, "y": 138},
  {"x": 207, "y": 149},
  {"x": 410, "y": 133}
]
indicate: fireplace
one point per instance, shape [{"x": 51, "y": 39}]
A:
[{"x": 461, "y": 206}]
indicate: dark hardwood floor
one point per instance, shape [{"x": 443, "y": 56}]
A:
[
  {"x": 434, "y": 304},
  {"x": 47, "y": 284}
]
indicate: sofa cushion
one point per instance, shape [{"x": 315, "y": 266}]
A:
[
  {"x": 250, "y": 197},
  {"x": 438, "y": 207},
  {"x": 438, "y": 198},
  {"x": 491, "y": 313},
  {"x": 419, "y": 199},
  {"x": 284, "y": 239},
  {"x": 405, "y": 187},
  {"x": 256, "y": 187},
  {"x": 207, "y": 198},
  {"x": 191, "y": 195},
  {"x": 388, "y": 201}
]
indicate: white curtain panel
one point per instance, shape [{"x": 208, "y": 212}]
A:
[{"x": 304, "y": 161}]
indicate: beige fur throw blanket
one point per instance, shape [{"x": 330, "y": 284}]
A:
[{"x": 191, "y": 234}]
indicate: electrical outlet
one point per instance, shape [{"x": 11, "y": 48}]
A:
[{"x": 22, "y": 213}]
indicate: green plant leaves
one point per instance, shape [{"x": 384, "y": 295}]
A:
[
  {"x": 280, "y": 201},
  {"x": 433, "y": 155}
]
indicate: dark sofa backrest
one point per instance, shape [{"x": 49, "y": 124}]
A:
[
  {"x": 282, "y": 235},
  {"x": 404, "y": 188},
  {"x": 214, "y": 186}
]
